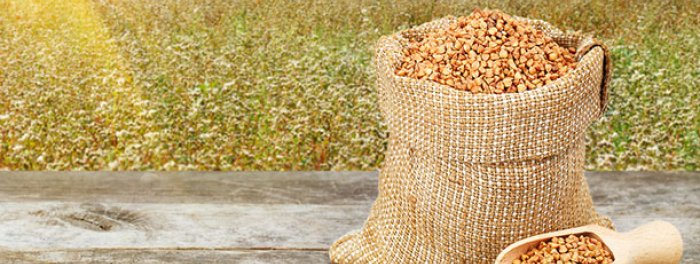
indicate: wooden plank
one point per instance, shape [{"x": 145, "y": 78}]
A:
[
  {"x": 646, "y": 188},
  {"x": 51, "y": 225},
  {"x": 191, "y": 187},
  {"x": 166, "y": 256},
  {"x": 158, "y": 215}
]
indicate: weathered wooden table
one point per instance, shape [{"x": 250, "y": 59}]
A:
[{"x": 253, "y": 217}]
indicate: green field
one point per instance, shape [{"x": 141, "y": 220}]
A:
[{"x": 289, "y": 85}]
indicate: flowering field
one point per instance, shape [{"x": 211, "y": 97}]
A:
[{"x": 289, "y": 85}]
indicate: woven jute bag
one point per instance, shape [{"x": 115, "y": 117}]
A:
[{"x": 465, "y": 175}]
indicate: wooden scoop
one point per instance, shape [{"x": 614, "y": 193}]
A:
[{"x": 657, "y": 242}]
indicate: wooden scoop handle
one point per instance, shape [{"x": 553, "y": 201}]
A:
[{"x": 658, "y": 242}]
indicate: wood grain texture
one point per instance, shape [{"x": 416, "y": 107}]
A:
[
  {"x": 191, "y": 187},
  {"x": 253, "y": 217},
  {"x": 166, "y": 256},
  {"x": 48, "y": 225}
]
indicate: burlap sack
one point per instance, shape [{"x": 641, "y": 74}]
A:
[{"x": 466, "y": 175}]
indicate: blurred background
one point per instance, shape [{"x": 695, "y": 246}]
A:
[{"x": 289, "y": 85}]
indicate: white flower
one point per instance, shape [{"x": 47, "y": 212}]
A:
[{"x": 114, "y": 165}]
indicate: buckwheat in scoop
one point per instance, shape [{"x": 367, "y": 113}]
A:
[
  {"x": 487, "y": 52},
  {"x": 573, "y": 249}
]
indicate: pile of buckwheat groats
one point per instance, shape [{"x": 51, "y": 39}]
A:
[
  {"x": 572, "y": 249},
  {"x": 487, "y": 52}
]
